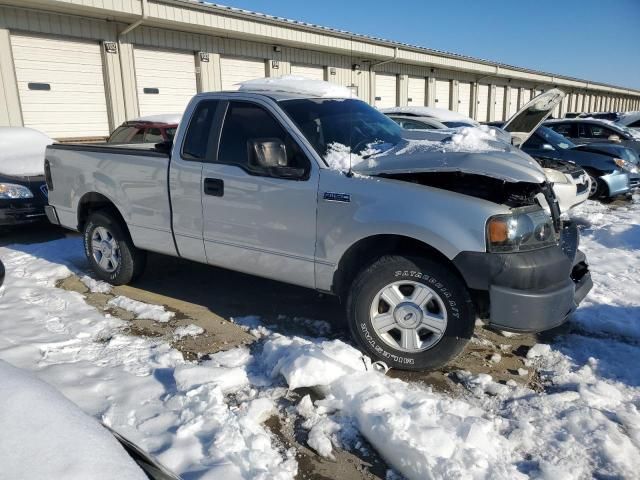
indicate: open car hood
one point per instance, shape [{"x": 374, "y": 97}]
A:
[
  {"x": 526, "y": 120},
  {"x": 427, "y": 151}
]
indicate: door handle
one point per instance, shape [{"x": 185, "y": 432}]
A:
[{"x": 213, "y": 187}]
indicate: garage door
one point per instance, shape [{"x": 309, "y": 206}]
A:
[
  {"x": 579, "y": 104},
  {"x": 417, "y": 93},
  {"x": 525, "y": 97},
  {"x": 386, "y": 90},
  {"x": 312, "y": 72},
  {"x": 482, "y": 113},
  {"x": 498, "y": 104},
  {"x": 513, "y": 102},
  {"x": 236, "y": 70},
  {"x": 464, "y": 98},
  {"x": 443, "y": 94},
  {"x": 165, "y": 80},
  {"x": 61, "y": 86}
]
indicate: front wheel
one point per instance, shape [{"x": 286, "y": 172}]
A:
[
  {"x": 110, "y": 251},
  {"x": 598, "y": 188},
  {"x": 411, "y": 313}
]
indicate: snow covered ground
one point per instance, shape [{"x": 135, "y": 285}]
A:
[{"x": 206, "y": 419}]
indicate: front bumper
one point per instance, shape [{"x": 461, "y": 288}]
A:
[
  {"x": 18, "y": 214},
  {"x": 617, "y": 183},
  {"x": 529, "y": 291}
]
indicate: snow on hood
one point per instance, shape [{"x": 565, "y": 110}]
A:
[
  {"x": 469, "y": 150},
  {"x": 169, "y": 118},
  {"x": 22, "y": 151},
  {"x": 441, "y": 114},
  {"x": 297, "y": 85},
  {"x": 44, "y": 435}
]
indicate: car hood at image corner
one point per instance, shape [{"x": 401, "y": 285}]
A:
[{"x": 500, "y": 160}]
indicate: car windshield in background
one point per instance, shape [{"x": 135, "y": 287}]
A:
[
  {"x": 348, "y": 122},
  {"x": 171, "y": 132},
  {"x": 457, "y": 124},
  {"x": 555, "y": 138}
]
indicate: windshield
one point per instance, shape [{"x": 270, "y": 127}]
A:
[
  {"x": 458, "y": 124},
  {"x": 348, "y": 122},
  {"x": 555, "y": 139}
]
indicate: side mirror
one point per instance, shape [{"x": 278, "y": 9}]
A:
[
  {"x": 269, "y": 155},
  {"x": 547, "y": 146},
  {"x": 265, "y": 153},
  {"x": 614, "y": 138}
]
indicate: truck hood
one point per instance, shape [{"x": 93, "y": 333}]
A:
[
  {"x": 474, "y": 151},
  {"x": 527, "y": 120}
]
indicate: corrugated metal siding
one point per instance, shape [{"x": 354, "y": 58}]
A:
[
  {"x": 74, "y": 104},
  {"x": 525, "y": 97},
  {"x": 170, "y": 73}
]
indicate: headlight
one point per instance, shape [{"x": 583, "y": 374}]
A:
[
  {"x": 527, "y": 228},
  {"x": 554, "y": 176},
  {"x": 9, "y": 191},
  {"x": 625, "y": 165}
]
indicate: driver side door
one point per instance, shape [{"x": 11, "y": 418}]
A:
[{"x": 253, "y": 220}]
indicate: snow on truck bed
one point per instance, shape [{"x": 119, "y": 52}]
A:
[
  {"x": 22, "y": 151},
  {"x": 205, "y": 419}
]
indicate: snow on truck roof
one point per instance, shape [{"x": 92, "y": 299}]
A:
[
  {"x": 297, "y": 86},
  {"x": 169, "y": 118}
]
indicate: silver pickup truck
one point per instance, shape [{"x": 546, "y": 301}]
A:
[{"x": 419, "y": 233}]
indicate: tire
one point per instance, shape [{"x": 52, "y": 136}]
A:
[
  {"x": 448, "y": 312},
  {"x": 123, "y": 262},
  {"x": 599, "y": 190}
]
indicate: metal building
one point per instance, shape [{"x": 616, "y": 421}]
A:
[{"x": 76, "y": 69}]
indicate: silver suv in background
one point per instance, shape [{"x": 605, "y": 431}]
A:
[{"x": 418, "y": 233}]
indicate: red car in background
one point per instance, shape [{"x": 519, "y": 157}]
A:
[{"x": 150, "y": 129}]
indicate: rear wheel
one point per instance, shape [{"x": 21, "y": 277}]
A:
[
  {"x": 411, "y": 313},
  {"x": 110, "y": 251}
]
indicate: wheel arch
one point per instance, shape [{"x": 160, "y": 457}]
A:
[
  {"x": 92, "y": 202},
  {"x": 367, "y": 250}
]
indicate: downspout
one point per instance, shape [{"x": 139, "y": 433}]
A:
[
  {"x": 372, "y": 98},
  {"x": 137, "y": 23}
]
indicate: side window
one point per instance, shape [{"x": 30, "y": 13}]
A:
[
  {"x": 153, "y": 135},
  {"x": 248, "y": 128},
  {"x": 196, "y": 140},
  {"x": 411, "y": 125},
  {"x": 563, "y": 129},
  {"x": 121, "y": 134},
  {"x": 599, "y": 131},
  {"x": 138, "y": 137},
  {"x": 635, "y": 124},
  {"x": 170, "y": 132}
]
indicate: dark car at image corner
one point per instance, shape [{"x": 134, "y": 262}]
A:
[
  {"x": 23, "y": 191},
  {"x": 22, "y": 199}
]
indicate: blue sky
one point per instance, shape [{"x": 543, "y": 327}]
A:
[{"x": 591, "y": 39}]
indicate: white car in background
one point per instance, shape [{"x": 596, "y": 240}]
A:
[{"x": 571, "y": 184}]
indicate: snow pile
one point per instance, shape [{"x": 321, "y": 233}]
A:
[
  {"x": 340, "y": 157},
  {"x": 95, "y": 286},
  {"x": 142, "y": 311},
  {"x": 297, "y": 85},
  {"x": 420, "y": 433},
  {"x": 128, "y": 382},
  {"x": 22, "y": 151},
  {"x": 190, "y": 330},
  {"x": 464, "y": 140},
  {"x": 44, "y": 435},
  {"x": 441, "y": 114}
]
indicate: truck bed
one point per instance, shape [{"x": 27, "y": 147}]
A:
[{"x": 134, "y": 177}]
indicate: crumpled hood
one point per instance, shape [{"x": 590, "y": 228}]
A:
[{"x": 426, "y": 151}]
